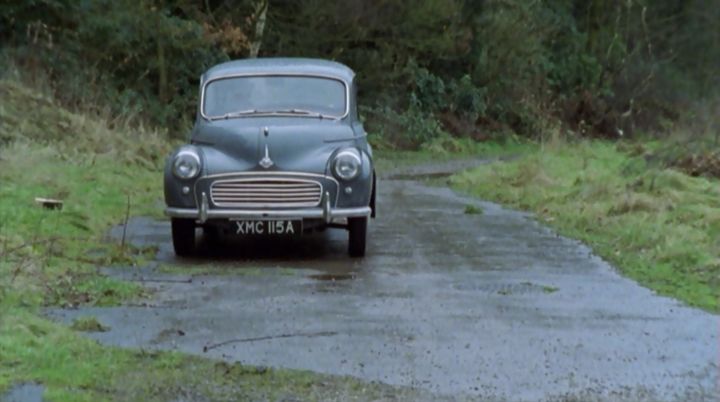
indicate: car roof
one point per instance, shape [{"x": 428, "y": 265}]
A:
[{"x": 280, "y": 65}]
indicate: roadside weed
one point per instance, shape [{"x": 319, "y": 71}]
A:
[
  {"x": 473, "y": 210},
  {"x": 88, "y": 324}
]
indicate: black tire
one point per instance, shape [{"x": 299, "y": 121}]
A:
[
  {"x": 357, "y": 238},
  {"x": 372, "y": 197},
  {"x": 183, "y": 236},
  {"x": 211, "y": 234}
]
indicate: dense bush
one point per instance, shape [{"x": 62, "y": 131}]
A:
[
  {"x": 600, "y": 67},
  {"x": 135, "y": 58}
]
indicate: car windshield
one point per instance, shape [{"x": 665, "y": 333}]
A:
[{"x": 252, "y": 95}]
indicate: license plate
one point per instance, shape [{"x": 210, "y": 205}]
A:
[{"x": 268, "y": 227}]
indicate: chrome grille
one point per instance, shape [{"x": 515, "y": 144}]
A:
[{"x": 266, "y": 192}]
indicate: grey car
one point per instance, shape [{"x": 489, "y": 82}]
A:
[{"x": 277, "y": 149}]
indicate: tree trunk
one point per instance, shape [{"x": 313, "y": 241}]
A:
[
  {"x": 162, "y": 72},
  {"x": 260, "y": 18}
]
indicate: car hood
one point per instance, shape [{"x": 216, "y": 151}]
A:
[{"x": 290, "y": 144}]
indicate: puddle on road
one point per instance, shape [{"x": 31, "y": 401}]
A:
[
  {"x": 505, "y": 289},
  {"x": 419, "y": 176},
  {"x": 434, "y": 170},
  {"x": 25, "y": 392},
  {"x": 334, "y": 277},
  {"x": 331, "y": 283}
]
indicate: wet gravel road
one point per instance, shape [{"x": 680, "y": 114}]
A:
[{"x": 490, "y": 306}]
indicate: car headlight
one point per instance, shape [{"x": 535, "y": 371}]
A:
[
  {"x": 346, "y": 165},
  {"x": 186, "y": 164}
]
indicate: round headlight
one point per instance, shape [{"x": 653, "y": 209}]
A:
[
  {"x": 186, "y": 164},
  {"x": 346, "y": 165}
]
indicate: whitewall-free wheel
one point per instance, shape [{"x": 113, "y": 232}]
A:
[
  {"x": 357, "y": 238},
  {"x": 183, "y": 236}
]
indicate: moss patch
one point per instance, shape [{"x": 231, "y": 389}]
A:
[
  {"x": 473, "y": 210},
  {"x": 88, "y": 324}
]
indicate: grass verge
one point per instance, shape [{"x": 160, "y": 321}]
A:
[{"x": 659, "y": 226}]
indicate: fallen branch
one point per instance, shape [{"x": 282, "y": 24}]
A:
[
  {"x": 207, "y": 348},
  {"x": 127, "y": 217}
]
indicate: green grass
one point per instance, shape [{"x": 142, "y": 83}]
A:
[
  {"x": 44, "y": 253},
  {"x": 51, "y": 258},
  {"x": 658, "y": 226}
]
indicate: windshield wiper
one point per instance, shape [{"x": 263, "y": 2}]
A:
[
  {"x": 304, "y": 112},
  {"x": 251, "y": 112},
  {"x": 246, "y": 112}
]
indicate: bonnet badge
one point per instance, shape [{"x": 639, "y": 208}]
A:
[{"x": 266, "y": 162}]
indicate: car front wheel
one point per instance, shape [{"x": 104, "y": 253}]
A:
[
  {"x": 358, "y": 236},
  {"x": 183, "y": 236}
]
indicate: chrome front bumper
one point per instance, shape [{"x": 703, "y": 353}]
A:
[
  {"x": 325, "y": 212},
  {"x": 312, "y": 213}
]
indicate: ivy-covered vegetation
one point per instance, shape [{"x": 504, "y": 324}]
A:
[{"x": 427, "y": 68}]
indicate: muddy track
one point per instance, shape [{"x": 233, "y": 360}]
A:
[{"x": 490, "y": 306}]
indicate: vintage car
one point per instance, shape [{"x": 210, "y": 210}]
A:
[{"x": 277, "y": 150}]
